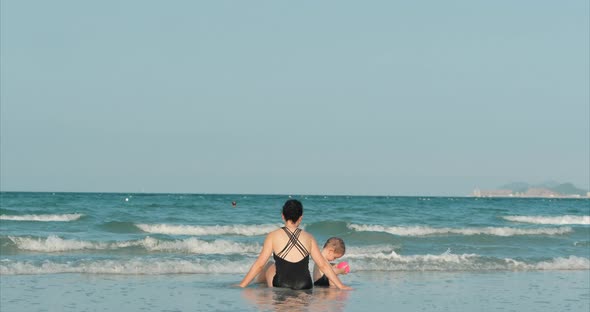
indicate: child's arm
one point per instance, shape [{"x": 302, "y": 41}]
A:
[
  {"x": 317, "y": 273},
  {"x": 338, "y": 271}
]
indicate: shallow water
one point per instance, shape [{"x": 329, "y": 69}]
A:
[{"x": 373, "y": 291}]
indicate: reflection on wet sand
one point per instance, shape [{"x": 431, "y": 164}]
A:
[{"x": 281, "y": 299}]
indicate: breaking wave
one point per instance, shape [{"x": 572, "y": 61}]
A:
[
  {"x": 138, "y": 266},
  {"x": 190, "y": 245},
  {"x": 236, "y": 229},
  {"x": 426, "y": 230},
  {"x": 43, "y": 218},
  {"x": 558, "y": 220},
  {"x": 457, "y": 262},
  {"x": 446, "y": 262}
]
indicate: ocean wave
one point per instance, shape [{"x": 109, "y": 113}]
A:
[
  {"x": 426, "y": 230},
  {"x": 558, "y": 220},
  {"x": 138, "y": 266},
  {"x": 43, "y": 218},
  {"x": 327, "y": 228},
  {"x": 53, "y": 243},
  {"x": 197, "y": 246},
  {"x": 236, "y": 229},
  {"x": 357, "y": 251},
  {"x": 120, "y": 227},
  {"x": 393, "y": 261},
  {"x": 569, "y": 263},
  {"x": 446, "y": 262},
  {"x": 190, "y": 245}
]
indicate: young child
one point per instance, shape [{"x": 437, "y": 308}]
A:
[{"x": 334, "y": 248}]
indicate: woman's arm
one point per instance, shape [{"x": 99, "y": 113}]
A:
[
  {"x": 325, "y": 266},
  {"x": 259, "y": 263}
]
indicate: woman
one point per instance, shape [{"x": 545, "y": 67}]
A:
[{"x": 291, "y": 248}]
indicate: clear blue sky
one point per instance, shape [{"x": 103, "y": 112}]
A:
[{"x": 292, "y": 97}]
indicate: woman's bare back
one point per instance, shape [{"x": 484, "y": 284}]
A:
[{"x": 280, "y": 239}]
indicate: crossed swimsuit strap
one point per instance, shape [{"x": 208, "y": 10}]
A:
[{"x": 293, "y": 242}]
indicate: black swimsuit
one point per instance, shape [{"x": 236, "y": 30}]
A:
[
  {"x": 322, "y": 281},
  {"x": 294, "y": 275}
]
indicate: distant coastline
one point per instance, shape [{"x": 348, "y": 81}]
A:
[{"x": 525, "y": 190}]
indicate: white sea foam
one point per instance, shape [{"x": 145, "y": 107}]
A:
[
  {"x": 197, "y": 246},
  {"x": 53, "y": 244},
  {"x": 137, "y": 266},
  {"x": 236, "y": 229},
  {"x": 582, "y": 243},
  {"x": 559, "y": 220},
  {"x": 426, "y": 230},
  {"x": 380, "y": 262},
  {"x": 190, "y": 245},
  {"x": 356, "y": 251},
  {"x": 448, "y": 261},
  {"x": 387, "y": 252},
  {"x": 43, "y": 218},
  {"x": 570, "y": 263}
]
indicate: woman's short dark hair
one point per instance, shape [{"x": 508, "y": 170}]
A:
[{"x": 292, "y": 210}]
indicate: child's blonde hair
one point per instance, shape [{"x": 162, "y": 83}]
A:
[{"x": 337, "y": 244}]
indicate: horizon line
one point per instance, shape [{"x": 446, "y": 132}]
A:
[{"x": 292, "y": 195}]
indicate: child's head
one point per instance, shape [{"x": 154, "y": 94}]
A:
[{"x": 334, "y": 248}]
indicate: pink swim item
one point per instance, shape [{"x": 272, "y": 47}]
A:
[{"x": 344, "y": 265}]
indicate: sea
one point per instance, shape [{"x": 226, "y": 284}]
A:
[{"x": 187, "y": 252}]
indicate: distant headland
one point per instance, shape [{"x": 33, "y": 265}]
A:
[{"x": 545, "y": 190}]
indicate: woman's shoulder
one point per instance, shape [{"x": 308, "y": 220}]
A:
[
  {"x": 275, "y": 232},
  {"x": 306, "y": 235}
]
